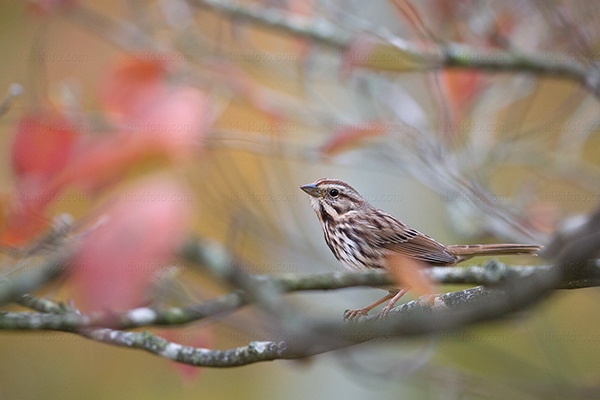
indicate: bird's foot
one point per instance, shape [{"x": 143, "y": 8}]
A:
[
  {"x": 384, "y": 311},
  {"x": 354, "y": 315},
  {"x": 387, "y": 308}
]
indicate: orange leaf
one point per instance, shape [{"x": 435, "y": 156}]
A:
[
  {"x": 501, "y": 30},
  {"x": 461, "y": 86},
  {"x": 134, "y": 86},
  {"x": 409, "y": 272},
  {"x": 351, "y": 135},
  {"x": 371, "y": 53},
  {"x": 21, "y": 224}
]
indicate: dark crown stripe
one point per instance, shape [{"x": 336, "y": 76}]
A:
[{"x": 327, "y": 181}]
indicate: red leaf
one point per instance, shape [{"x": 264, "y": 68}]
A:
[
  {"x": 174, "y": 117},
  {"x": 42, "y": 147},
  {"x": 93, "y": 165},
  {"x": 101, "y": 161},
  {"x": 42, "y": 144},
  {"x": 45, "y": 7},
  {"x": 117, "y": 260},
  {"x": 177, "y": 119},
  {"x": 304, "y": 9}
]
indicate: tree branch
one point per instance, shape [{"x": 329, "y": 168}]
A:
[
  {"x": 516, "y": 289},
  {"x": 491, "y": 273},
  {"x": 33, "y": 276},
  {"x": 454, "y": 55},
  {"x": 339, "y": 335},
  {"x": 199, "y": 357}
]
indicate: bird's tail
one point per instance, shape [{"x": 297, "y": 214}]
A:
[{"x": 475, "y": 250}]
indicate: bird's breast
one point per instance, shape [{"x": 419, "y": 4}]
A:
[{"x": 349, "y": 248}]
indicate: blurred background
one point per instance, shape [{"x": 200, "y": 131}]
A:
[{"x": 293, "y": 91}]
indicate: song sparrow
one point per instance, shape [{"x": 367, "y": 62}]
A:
[{"x": 363, "y": 237}]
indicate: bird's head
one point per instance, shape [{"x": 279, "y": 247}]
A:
[{"x": 331, "y": 198}]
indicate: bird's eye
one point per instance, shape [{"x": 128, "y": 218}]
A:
[{"x": 334, "y": 193}]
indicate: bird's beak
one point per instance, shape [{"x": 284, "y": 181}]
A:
[{"x": 312, "y": 190}]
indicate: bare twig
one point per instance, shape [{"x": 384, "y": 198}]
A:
[
  {"x": 14, "y": 91},
  {"x": 34, "y": 275},
  {"x": 489, "y": 274},
  {"x": 452, "y": 55},
  {"x": 199, "y": 357},
  {"x": 406, "y": 320}
]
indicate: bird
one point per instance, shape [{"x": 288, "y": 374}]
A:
[{"x": 363, "y": 237}]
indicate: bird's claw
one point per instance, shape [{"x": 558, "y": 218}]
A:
[
  {"x": 383, "y": 313},
  {"x": 354, "y": 315}
]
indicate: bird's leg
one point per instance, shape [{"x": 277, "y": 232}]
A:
[
  {"x": 352, "y": 314},
  {"x": 384, "y": 312}
]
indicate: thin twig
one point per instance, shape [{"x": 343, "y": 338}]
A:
[{"x": 453, "y": 55}]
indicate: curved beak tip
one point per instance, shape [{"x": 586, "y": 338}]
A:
[{"x": 311, "y": 189}]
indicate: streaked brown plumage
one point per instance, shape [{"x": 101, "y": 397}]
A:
[{"x": 362, "y": 237}]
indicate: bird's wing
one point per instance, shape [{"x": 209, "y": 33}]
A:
[{"x": 387, "y": 232}]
